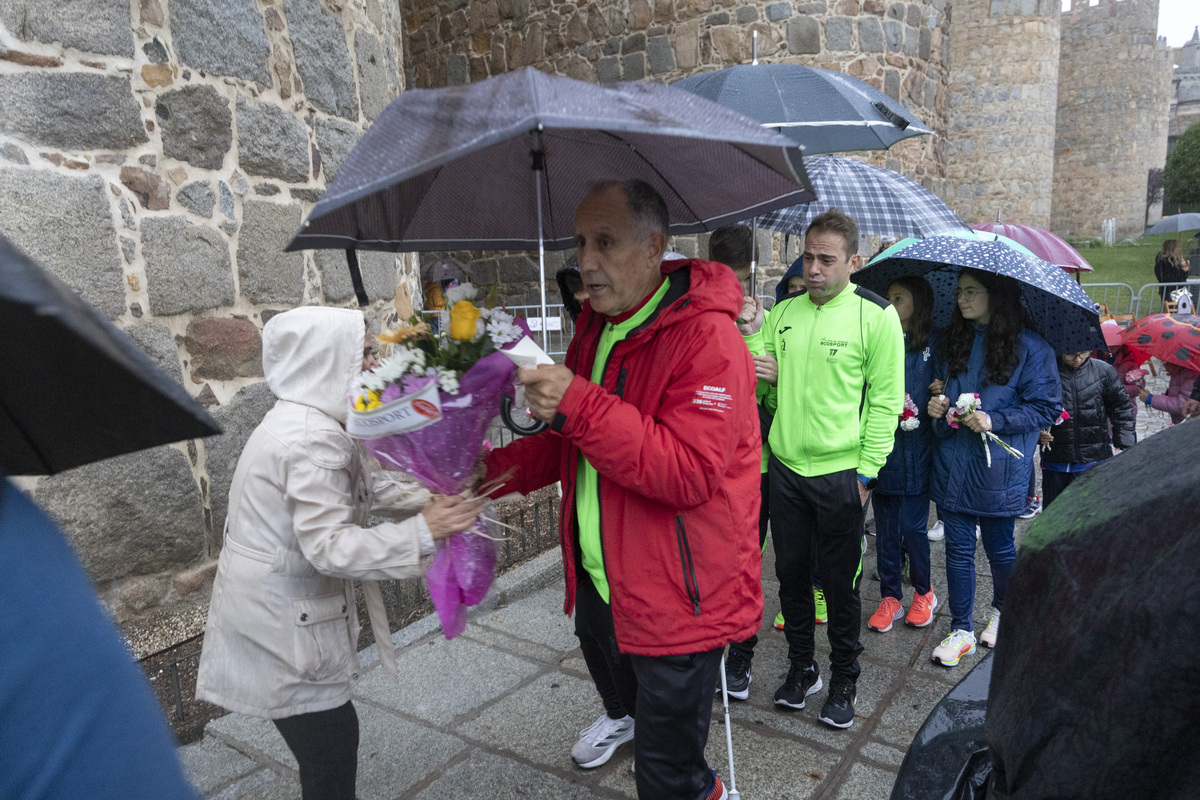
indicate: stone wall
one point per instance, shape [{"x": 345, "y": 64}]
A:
[
  {"x": 158, "y": 157},
  {"x": 1114, "y": 81},
  {"x": 898, "y": 47},
  {"x": 1001, "y": 110}
]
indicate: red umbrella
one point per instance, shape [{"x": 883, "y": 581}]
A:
[
  {"x": 1174, "y": 338},
  {"x": 1044, "y": 244}
]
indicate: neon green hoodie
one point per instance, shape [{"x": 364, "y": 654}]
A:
[{"x": 838, "y": 362}]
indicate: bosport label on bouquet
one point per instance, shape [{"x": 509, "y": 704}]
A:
[{"x": 404, "y": 414}]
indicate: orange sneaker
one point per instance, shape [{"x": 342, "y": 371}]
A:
[
  {"x": 920, "y": 613},
  {"x": 889, "y": 611}
]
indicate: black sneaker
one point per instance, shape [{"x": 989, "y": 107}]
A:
[
  {"x": 838, "y": 710},
  {"x": 737, "y": 675},
  {"x": 799, "y": 684}
]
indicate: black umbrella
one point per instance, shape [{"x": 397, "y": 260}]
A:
[
  {"x": 76, "y": 389},
  {"x": 822, "y": 110},
  {"x": 502, "y": 164}
]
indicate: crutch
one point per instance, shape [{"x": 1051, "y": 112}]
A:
[{"x": 733, "y": 792}]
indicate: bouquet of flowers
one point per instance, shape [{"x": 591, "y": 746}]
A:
[
  {"x": 424, "y": 410},
  {"x": 966, "y": 405},
  {"x": 909, "y": 421}
]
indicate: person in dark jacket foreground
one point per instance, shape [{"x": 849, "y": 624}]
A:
[
  {"x": 987, "y": 350},
  {"x": 901, "y": 499},
  {"x": 655, "y": 439},
  {"x": 1094, "y": 399}
]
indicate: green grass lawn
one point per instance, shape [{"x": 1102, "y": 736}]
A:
[{"x": 1132, "y": 264}]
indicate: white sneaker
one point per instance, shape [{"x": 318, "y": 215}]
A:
[
  {"x": 937, "y": 532},
  {"x": 988, "y": 637},
  {"x": 958, "y": 644},
  {"x": 598, "y": 741}
]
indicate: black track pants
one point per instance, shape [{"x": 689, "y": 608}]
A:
[{"x": 819, "y": 518}]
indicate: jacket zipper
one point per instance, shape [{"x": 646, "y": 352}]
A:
[
  {"x": 812, "y": 332},
  {"x": 689, "y": 570},
  {"x": 599, "y": 497}
]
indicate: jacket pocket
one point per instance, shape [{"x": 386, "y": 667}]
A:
[
  {"x": 685, "y": 562},
  {"x": 322, "y": 635}
]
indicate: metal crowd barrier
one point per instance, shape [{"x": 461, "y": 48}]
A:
[
  {"x": 1151, "y": 300},
  {"x": 1116, "y": 298}
]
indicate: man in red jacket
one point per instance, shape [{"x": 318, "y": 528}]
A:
[{"x": 655, "y": 438}]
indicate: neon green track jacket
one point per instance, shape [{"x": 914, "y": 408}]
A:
[{"x": 838, "y": 362}]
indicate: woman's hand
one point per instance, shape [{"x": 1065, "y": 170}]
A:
[
  {"x": 937, "y": 387},
  {"x": 978, "y": 422},
  {"x": 1143, "y": 394},
  {"x": 766, "y": 368},
  {"x": 1045, "y": 437},
  {"x": 446, "y": 515},
  {"x": 939, "y": 404}
]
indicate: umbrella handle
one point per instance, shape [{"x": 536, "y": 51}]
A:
[{"x": 528, "y": 426}]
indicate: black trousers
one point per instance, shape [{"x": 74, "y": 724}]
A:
[
  {"x": 611, "y": 670},
  {"x": 819, "y": 518},
  {"x": 1054, "y": 484},
  {"x": 670, "y": 696},
  {"x": 325, "y": 744},
  {"x": 675, "y": 700}
]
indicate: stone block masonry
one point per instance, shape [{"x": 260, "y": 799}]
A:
[
  {"x": 157, "y": 157},
  {"x": 1114, "y": 85},
  {"x": 1001, "y": 110}
]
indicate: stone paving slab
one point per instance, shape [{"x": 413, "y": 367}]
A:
[
  {"x": 494, "y": 712},
  {"x": 487, "y": 674}
]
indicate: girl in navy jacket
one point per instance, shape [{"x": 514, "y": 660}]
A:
[
  {"x": 901, "y": 500},
  {"x": 986, "y": 350}
]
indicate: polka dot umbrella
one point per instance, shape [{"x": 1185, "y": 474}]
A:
[
  {"x": 1060, "y": 311},
  {"x": 1174, "y": 338}
]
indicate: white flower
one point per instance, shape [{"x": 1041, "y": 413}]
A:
[
  {"x": 447, "y": 378},
  {"x": 500, "y": 327},
  {"x": 464, "y": 291},
  {"x": 910, "y": 424}
]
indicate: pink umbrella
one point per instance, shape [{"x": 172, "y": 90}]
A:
[{"x": 1044, "y": 244}]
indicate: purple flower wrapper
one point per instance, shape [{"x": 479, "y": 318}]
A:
[
  {"x": 461, "y": 574},
  {"x": 441, "y": 455}
]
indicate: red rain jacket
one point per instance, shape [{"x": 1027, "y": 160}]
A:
[{"x": 674, "y": 435}]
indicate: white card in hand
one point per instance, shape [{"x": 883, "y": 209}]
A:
[{"x": 526, "y": 354}]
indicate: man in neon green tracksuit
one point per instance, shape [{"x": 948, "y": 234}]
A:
[{"x": 839, "y": 391}]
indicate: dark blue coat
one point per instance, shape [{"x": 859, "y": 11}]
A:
[
  {"x": 906, "y": 470},
  {"x": 1029, "y": 402}
]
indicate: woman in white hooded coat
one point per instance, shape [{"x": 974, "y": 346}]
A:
[{"x": 282, "y": 629}]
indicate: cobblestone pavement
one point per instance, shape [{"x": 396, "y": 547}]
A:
[{"x": 493, "y": 713}]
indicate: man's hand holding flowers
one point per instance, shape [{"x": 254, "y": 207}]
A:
[{"x": 544, "y": 388}]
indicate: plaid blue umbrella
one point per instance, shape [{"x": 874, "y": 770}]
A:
[
  {"x": 1059, "y": 310},
  {"x": 882, "y": 202},
  {"x": 824, "y": 111}
]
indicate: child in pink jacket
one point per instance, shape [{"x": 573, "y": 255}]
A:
[{"x": 1178, "y": 391}]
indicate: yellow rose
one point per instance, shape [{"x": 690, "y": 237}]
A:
[{"x": 462, "y": 320}]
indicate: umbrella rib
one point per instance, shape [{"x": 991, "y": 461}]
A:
[
  {"x": 41, "y": 457},
  {"x": 653, "y": 167}
]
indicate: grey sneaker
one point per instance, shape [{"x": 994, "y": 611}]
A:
[{"x": 598, "y": 741}]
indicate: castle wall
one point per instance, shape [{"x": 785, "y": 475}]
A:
[
  {"x": 900, "y": 48},
  {"x": 157, "y": 158},
  {"x": 1114, "y": 83},
  {"x": 1001, "y": 110}
]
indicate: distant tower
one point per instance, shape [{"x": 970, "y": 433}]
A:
[
  {"x": 1000, "y": 111},
  {"x": 1114, "y": 83},
  {"x": 1185, "y": 90}
]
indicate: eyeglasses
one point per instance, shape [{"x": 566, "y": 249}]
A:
[{"x": 970, "y": 293}]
